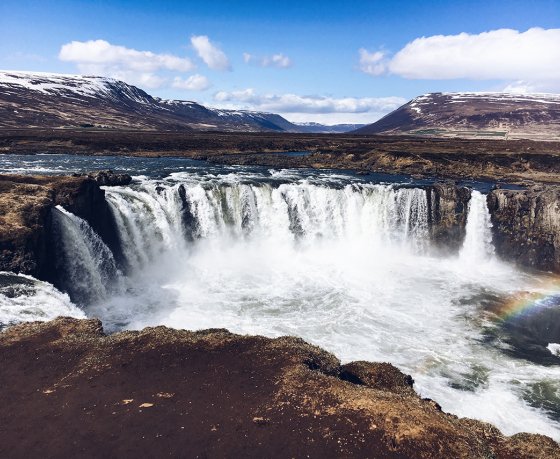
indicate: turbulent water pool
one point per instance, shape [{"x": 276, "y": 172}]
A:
[{"x": 343, "y": 261}]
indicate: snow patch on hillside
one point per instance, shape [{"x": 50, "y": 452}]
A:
[
  {"x": 69, "y": 85},
  {"x": 544, "y": 98}
]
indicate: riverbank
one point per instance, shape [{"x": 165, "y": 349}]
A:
[
  {"x": 516, "y": 161},
  {"x": 70, "y": 390}
]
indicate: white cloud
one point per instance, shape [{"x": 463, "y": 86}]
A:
[
  {"x": 193, "y": 83},
  {"x": 103, "y": 52},
  {"x": 276, "y": 60},
  {"x": 311, "y": 108},
  {"x": 504, "y": 54},
  {"x": 334, "y": 118},
  {"x": 520, "y": 87},
  {"x": 292, "y": 103},
  {"x": 212, "y": 56},
  {"x": 100, "y": 57},
  {"x": 372, "y": 63},
  {"x": 147, "y": 80}
]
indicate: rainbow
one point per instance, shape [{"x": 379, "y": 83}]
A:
[{"x": 523, "y": 304}]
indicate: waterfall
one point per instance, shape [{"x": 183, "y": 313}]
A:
[
  {"x": 478, "y": 246},
  {"x": 342, "y": 263},
  {"x": 149, "y": 221},
  {"x": 24, "y": 298},
  {"x": 156, "y": 219},
  {"x": 161, "y": 222},
  {"x": 86, "y": 265}
]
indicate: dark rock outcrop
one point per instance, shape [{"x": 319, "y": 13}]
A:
[
  {"x": 447, "y": 214},
  {"x": 382, "y": 376},
  {"x": 68, "y": 390},
  {"x": 109, "y": 178},
  {"x": 526, "y": 226},
  {"x": 24, "y": 211}
]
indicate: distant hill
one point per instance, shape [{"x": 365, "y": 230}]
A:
[
  {"x": 474, "y": 115},
  {"x": 50, "y": 100},
  {"x": 326, "y": 129}
]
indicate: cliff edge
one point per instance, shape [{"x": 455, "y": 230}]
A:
[{"x": 70, "y": 390}]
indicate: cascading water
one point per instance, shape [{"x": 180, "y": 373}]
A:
[
  {"x": 23, "y": 298},
  {"x": 478, "y": 246},
  {"x": 87, "y": 266},
  {"x": 149, "y": 222},
  {"x": 153, "y": 218},
  {"x": 340, "y": 262},
  {"x": 346, "y": 266}
]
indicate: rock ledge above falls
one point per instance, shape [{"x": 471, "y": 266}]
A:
[
  {"x": 26, "y": 202},
  {"x": 69, "y": 390}
]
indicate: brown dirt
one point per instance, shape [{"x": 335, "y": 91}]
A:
[{"x": 70, "y": 391}]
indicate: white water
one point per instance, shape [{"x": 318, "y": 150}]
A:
[
  {"x": 150, "y": 221},
  {"x": 478, "y": 245},
  {"x": 87, "y": 263},
  {"x": 554, "y": 348},
  {"x": 23, "y": 299},
  {"x": 347, "y": 267}
]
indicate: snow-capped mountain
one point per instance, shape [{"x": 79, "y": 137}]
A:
[
  {"x": 479, "y": 115},
  {"x": 50, "y": 100}
]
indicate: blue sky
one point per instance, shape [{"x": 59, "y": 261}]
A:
[{"x": 329, "y": 61}]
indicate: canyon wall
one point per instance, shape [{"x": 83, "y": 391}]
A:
[
  {"x": 448, "y": 207},
  {"x": 526, "y": 226}
]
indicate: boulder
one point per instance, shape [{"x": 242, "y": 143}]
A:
[
  {"x": 382, "y": 376},
  {"x": 109, "y": 178}
]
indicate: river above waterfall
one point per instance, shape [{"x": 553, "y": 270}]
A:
[
  {"x": 341, "y": 260},
  {"x": 161, "y": 167}
]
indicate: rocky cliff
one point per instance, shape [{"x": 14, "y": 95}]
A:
[
  {"x": 24, "y": 210},
  {"x": 526, "y": 226},
  {"x": 26, "y": 203},
  {"x": 68, "y": 390},
  {"x": 447, "y": 214}
]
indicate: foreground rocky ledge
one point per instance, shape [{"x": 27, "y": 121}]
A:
[{"x": 68, "y": 390}]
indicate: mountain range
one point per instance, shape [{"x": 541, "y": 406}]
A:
[
  {"x": 474, "y": 115},
  {"x": 48, "y": 100}
]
